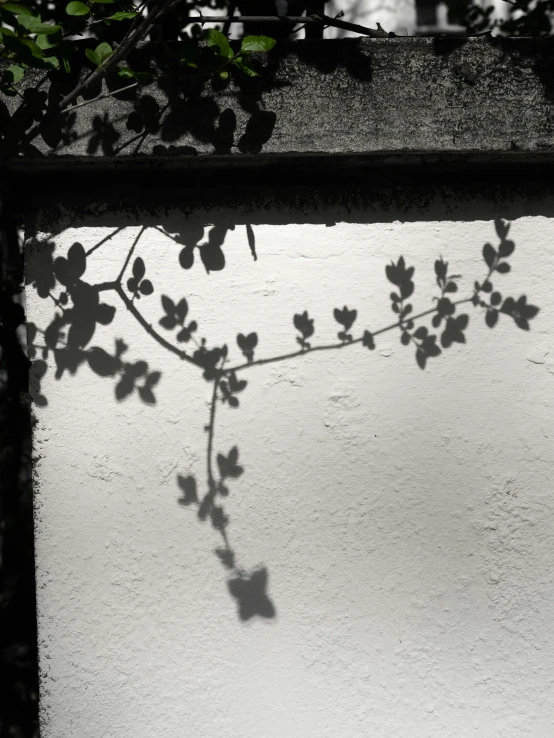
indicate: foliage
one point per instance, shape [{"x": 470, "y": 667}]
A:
[{"x": 95, "y": 34}]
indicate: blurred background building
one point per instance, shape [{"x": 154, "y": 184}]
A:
[{"x": 405, "y": 17}]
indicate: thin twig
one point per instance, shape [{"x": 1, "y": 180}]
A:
[
  {"x": 338, "y": 15},
  {"x": 229, "y": 19},
  {"x": 143, "y": 136},
  {"x": 100, "y": 97},
  {"x": 211, "y": 432},
  {"x": 124, "y": 145},
  {"x": 202, "y": 19},
  {"x": 106, "y": 286},
  {"x": 139, "y": 28},
  {"x": 319, "y": 18},
  {"x": 314, "y": 11},
  {"x": 103, "y": 241},
  {"x": 131, "y": 307},
  {"x": 122, "y": 272}
]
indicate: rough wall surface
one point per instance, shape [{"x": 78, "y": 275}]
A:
[
  {"x": 357, "y": 96},
  {"x": 392, "y": 527}
]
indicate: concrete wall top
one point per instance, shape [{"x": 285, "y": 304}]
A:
[{"x": 379, "y": 99}]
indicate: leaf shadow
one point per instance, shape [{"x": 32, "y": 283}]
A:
[{"x": 81, "y": 308}]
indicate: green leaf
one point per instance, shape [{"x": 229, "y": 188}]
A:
[
  {"x": 103, "y": 51},
  {"x": 122, "y": 15},
  {"x": 257, "y": 43},
  {"x": 66, "y": 65},
  {"x": 34, "y": 24},
  {"x": 17, "y": 73},
  {"x": 17, "y": 8},
  {"x": 6, "y": 83},
  {"x": 92, "y": 56},
  {"x": 224, "y": 74},
  {"x": 24, "y": 50},
  {"x": 241, "y": 64},
  {"x": 51, "y": 61},
  {"x": 77, "y": 8},
  {"x": 48, "y": 42},
  {"x": 7, "y": 32},
  {"x": 31, "y": 47},
  {"x": 219, "y": 40},
  {"x": 143, "y": 78}
]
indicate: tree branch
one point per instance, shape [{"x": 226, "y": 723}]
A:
[
  {"x": 316, "y": 18},
  {"x": 103, "y": 241},
  {"x": 229, "y": 19},
  {"x": 336, "y": 23},
  {"x": 135, "y": 33},
  {"x": 100, "y": 97}
]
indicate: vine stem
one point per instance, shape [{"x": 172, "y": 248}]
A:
[
  {"x": 100, "y": 97},
  {"x": 103, "y": 241},
  {"x": 129, "y": 304},
  {"x": 209, "y": 457},
  {"x": 330, "y": 346},
  {"x": 128, "y": 258},
  {"x": 211, "y": 432}
]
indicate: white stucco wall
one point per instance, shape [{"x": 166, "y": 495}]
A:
[{"x": 405, "y": 517}]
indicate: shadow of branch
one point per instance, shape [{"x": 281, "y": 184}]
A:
[{"x": 79, "y": 311}]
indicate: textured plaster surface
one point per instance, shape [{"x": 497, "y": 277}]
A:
[
  {"x": 355, "y": 96},
  {"x": 405, "y": 517}
]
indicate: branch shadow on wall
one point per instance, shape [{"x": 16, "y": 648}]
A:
[{"x": 81, "y": 308}]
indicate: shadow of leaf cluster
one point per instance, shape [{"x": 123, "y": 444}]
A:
[{"x": 79, "y": 311}]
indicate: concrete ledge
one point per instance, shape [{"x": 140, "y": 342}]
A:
[{"x": 370, "y": 101}]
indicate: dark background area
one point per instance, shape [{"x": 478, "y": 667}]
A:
[{"x": 18, "y": 634}]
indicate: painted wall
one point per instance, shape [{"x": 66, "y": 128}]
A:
[{"x": 391, "y": 528}]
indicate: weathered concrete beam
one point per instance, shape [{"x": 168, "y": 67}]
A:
[{"x": 368, "y": 100}]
